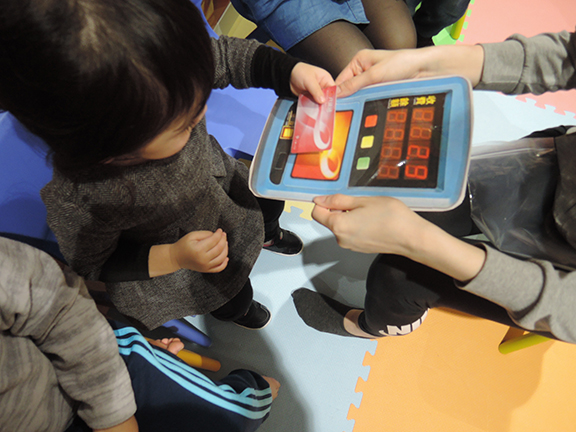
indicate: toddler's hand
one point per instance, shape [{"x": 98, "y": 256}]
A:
[
  {"x": 310, "y": 79},
  {"x": 201, "y": 251},
  {"x": 173, "y": 345},
  {"x": 130, "y": 425},
  {"x": 274, "y": 386}
]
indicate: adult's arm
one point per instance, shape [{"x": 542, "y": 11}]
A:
[
  {"x": 537, "y": 296},
  {"x": 50, "y": 307},
  {"x": 370, "y": 67},
  {"x": 518, "y": 65},
  {"x": 542, "y": 63},
  {"x": 386, "y": 225}
]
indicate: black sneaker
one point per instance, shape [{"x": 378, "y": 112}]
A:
[
  {"x": 286, "y": 243},
  {"x": 257, "y": 317}
]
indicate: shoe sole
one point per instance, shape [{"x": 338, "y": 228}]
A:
[
  {"x": 283, "y": 254},
  {"x": 255, "y": 329}
]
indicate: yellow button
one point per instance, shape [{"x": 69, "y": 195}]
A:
[
  {"x": 287, "y": 132},
  {"x": 367, "y": 141}
]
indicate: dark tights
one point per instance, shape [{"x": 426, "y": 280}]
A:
[
  {"x": 239, "y": 305},
  {"x": 271, "y": 210},
  {"x": 333, "y": 46},
  {"x": 400, "y": 291},
  {"x": 236, "y": 307}
]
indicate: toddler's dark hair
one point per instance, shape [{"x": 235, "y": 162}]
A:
[{"x": 100, "y": 78}]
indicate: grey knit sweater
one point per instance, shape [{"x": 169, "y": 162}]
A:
[{"x": 200, "y": 188}]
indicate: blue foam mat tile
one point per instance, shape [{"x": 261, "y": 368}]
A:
[
  {"x": 23, "y": 172},
  {"x": 500, "y": 117},
  {"x": 318, "y": 371}
]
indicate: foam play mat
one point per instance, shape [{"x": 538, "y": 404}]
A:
[{"x": 448, "y": 375}]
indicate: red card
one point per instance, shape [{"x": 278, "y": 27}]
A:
[{"x": 314, "y": 125}]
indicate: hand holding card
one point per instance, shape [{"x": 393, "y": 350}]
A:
[{"x": 314, "y": 126}]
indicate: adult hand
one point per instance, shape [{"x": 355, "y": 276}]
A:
[
  {"x": 386, "y": 225},
  {"x": 310, "y": 79},
  {"x": 369, "y": 224},
  {"x": 370, "y": 67}
]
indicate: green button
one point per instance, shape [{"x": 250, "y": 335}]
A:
[{"x": 363, "y": 163}]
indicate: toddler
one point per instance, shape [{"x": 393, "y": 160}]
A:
[{"x": 118, "y": 91}]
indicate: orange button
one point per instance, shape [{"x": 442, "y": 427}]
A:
[{"x": 371, "y": 121}]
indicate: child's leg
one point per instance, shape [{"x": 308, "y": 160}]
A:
[
  {"x": 271, "y": 210},
  {"x": 237, "y": 307},
  {"x": 243, "y": 310},
  {"x": 276, "y": 239},
  {"x": 173, "y": 397}
]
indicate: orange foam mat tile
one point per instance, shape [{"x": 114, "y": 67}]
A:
[
  {"x": 493, "y": 21},
  {"x": 449, "y": 376}
]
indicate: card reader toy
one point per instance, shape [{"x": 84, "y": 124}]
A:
[{"x": 409, "y": 140}]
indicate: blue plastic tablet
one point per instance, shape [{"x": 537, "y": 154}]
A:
[{"x": 409, "y": 140}]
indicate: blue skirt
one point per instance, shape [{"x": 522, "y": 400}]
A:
[{"x": 287, "y": 22}]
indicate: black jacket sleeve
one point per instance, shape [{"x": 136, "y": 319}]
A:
[{"x": 272, "y": 69}]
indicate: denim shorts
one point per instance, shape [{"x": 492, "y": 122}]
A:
[{"x": 287, "y": 22}]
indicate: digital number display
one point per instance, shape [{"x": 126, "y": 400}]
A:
[
  {"x": 419, "y": 132},
  {"x": 406, "y": 133}
]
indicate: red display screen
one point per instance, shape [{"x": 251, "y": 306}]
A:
[
  {"x": 419, "y": 132},
  {"x": 406, "y": 134}
]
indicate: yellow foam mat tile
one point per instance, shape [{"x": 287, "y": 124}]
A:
[{"x": 304, "y": 207}]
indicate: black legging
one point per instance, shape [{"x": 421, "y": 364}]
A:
[
  {"x": 271, "y": 210},
  {"x": 400, "y": 291},
  {"x": 236, "y": 307},
  {"x": 240, "y": 304}
]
